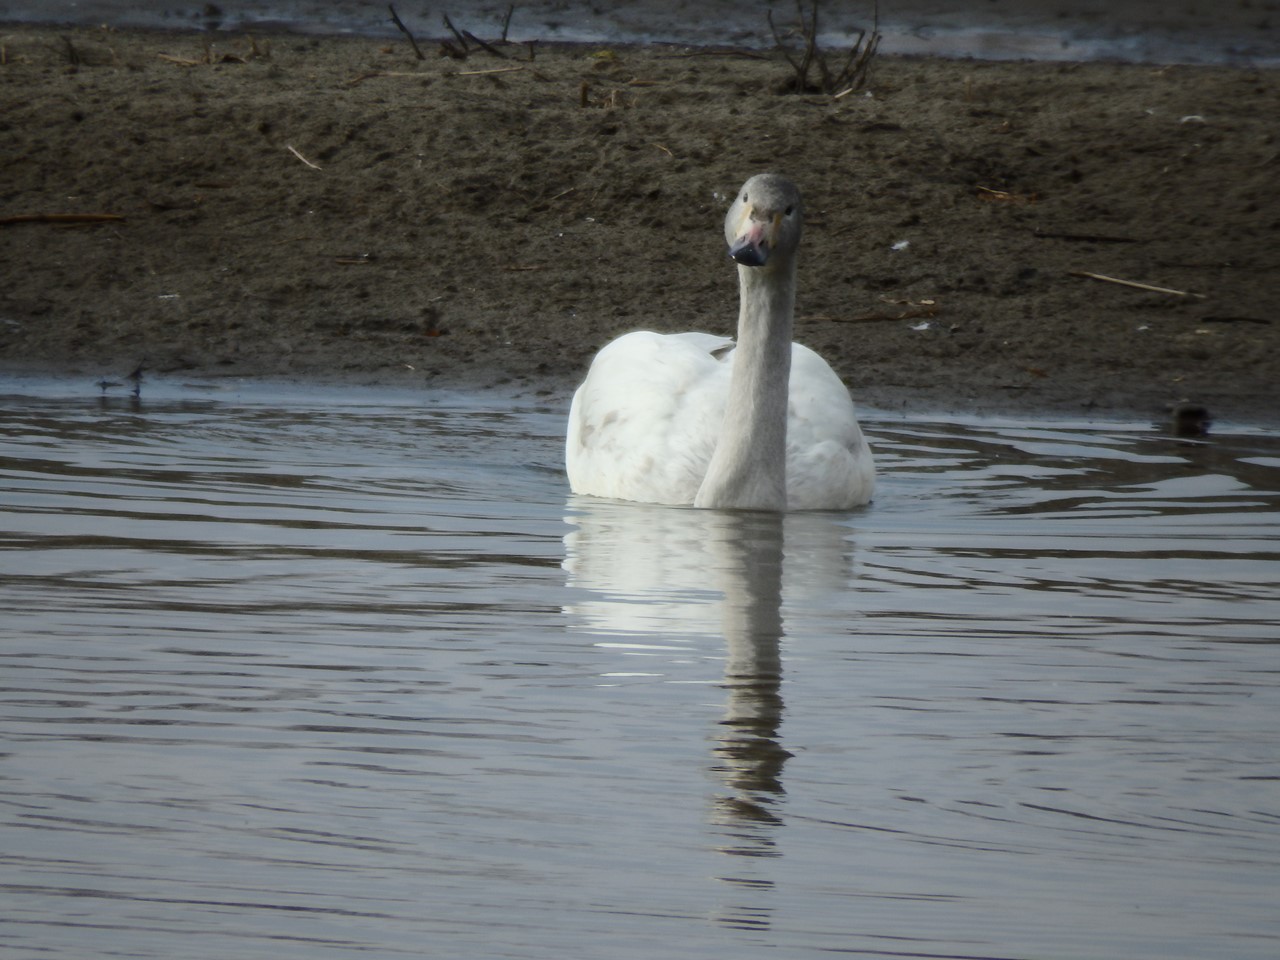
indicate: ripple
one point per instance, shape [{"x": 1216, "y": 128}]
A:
[{"x": 350, "y": 673}]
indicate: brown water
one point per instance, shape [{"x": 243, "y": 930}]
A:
[{"x": 304, "y": 673}]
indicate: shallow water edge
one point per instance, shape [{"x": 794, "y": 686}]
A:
[{"x": 1137, "y": 31}]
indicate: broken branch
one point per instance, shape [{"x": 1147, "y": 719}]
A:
[
  {"x": 395, "y": 18},
  {"x": 486, "y": 47},
  {"x": 850, "y": 77},
  {"x": 462, "y": 48}
]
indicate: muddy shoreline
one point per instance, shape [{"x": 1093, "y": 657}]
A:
[{"x": 335, "y": 209}]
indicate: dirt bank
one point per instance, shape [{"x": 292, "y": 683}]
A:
[{"x": 337, "y": 208}]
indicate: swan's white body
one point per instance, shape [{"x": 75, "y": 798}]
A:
[
  {"x": 692, "y": 418},
  {"x": 645, "y": 422}
]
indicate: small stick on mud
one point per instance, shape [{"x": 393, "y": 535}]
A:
[
  {"x": 395, "y": 18},
  {"x": 383, "y": 73},
  {"x": 1084, "y": 237},
  {"x": 294, "y": 150},
  {"x": 1004, "y": 196},
  {"x": 1136, "y": 284},
  {"x": 490, "y": 72},
  {"x": 180, "y": 61},
  {"x": 1257, "y": 320},
  {"x": 61, "y": 218}
]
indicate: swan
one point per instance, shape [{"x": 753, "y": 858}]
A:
[{"x": 693, "y": 418}]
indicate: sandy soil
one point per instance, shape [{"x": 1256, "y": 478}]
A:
[{"x": 336, "y": 208}]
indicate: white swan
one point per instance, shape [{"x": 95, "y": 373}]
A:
[{"x": 690, "y": 418}]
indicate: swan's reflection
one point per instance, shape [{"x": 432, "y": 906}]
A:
[
  {"x": 653, "y": 576},
  {"x": 749, "y": 552}
]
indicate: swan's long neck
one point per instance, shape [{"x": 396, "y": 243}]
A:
[{"x": 748, "y": 470}]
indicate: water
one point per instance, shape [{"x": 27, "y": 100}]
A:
[
  {"x": 1142, "y": 31},
  {"x": 307, "y": 673}
]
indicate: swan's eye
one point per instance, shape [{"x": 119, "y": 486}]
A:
[{"x": 744, "y": 198}]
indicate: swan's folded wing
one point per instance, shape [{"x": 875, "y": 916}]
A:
[
  {"x": 829, "y": 463},
  {"x": 643, "y": 424}
]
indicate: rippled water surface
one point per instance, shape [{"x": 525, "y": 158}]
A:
[{"x": 306, "y": 674}]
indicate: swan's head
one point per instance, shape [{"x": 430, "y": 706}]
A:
[{"x": 764, "y": 222}]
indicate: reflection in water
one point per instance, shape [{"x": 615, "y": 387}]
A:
[
  {"x": 637, "y": 562},
  {"x": 321, "y": 674},
  {"x": 750, "y": 575}
]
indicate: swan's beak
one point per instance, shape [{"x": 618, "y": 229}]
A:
[{"x": 754, "y": 240}]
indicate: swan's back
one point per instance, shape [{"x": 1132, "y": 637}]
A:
[{"x": 645, "y": 422}]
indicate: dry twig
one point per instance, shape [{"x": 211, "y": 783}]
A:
[
  {"x": 459, "y": 50},
  {"x": 851, "y": 76},
  {"x": 1004, "y": 196},
  {"x": 61, "y": 218},
  {"x": 491, "y": 72},
  {"x": 209, "y": 58},
  {"x": 383, "y": 73},
  {"x": 1084, "y": 237},
  {"x": 395, "y": 18},
  {"x": 180, "y": 61},
  {"x": 294, "y": 150},
  {"x": 460, "y": 47},
  {"x": 486, "y": 47},
  {"x": 689, "y": 54},
  {"x": 1150, "y": 288}
]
